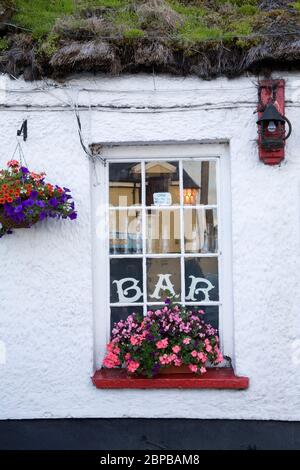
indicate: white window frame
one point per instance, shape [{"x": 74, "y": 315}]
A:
[{"x": 100, "y": 224}]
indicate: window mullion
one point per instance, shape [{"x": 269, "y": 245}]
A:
[
  {"x": 144, "y": 229},
  {"x": 182, "y": 274}
]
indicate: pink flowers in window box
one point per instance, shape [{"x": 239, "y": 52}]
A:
[{"x": 166, "y": 339}]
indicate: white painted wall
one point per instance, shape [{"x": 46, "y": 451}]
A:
[{"x": 46, "y": 288}]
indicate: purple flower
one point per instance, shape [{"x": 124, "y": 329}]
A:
[
  {"x": 39, "y": 203},
  {"x": 53, "y": 202},
  {"x": 167, "y": 301},
  {"x": 24, "y": 170},
  {"x": 19, "y": 208},
  {"x": 28, "y": 203},
  {"x": 73, "y": 215},
  {"x": 42, "y": 215},
  {"x": 34, "y": 194}
]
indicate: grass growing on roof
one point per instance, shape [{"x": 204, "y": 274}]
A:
[
  {"x": 4, "y": 43},
  {"x": 39, "y": 16},
  {"x": 193, "y": 21}
]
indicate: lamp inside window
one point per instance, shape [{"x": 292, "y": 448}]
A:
[{"x": 190, "y": 195}]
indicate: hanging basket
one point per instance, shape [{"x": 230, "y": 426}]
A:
[
  {"x": 25, "y": 195},
  {"x": 9, "y": 223}
]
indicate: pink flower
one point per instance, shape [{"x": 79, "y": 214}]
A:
[
  {"x": 202, "y": 357},
  {"x": 177, "y": 362},
  {"x": 111, "y": 361},
  {"x": 132, "y": 366},
  {"x": 220, "y": 357},
  {"x": 193, "y": 367},
  {"x": 201, "y": 312},
  {"x": 133, "y": 340},
  {"x": 176, "y": 349},
  {"x": 208, "y": 347},
  {"x": 186, "y": 341},
  {"x": 162, "y": 344},
  {"x": 194, "y": 353},
  {"x": 164, "y": 359},
  {"x": 13, "y": 163},
  {"x": 202, "y": 370}
]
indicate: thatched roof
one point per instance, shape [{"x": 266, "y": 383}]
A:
[{"x": 208, "y": 38}]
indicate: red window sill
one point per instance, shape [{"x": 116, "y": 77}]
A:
[{"x": 222, "y": 378}]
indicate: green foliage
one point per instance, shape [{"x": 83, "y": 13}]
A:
[
  {"x": 124, "y": 18},
  {"x": 241, "y": 28},
  {"x": 296, "y": 5},
  {"x": 39, "y": 16},
  {"x": 192, "y": 33},
  {"x": 189, "y": 11},
  {"x": 198, "y": 20},
  {"x": 49, "y": 46},
  {"x": 240, "y": 3},
  {"x": 82, "y": 4},
  {"x": 4, "y": 43},
  {"x": 133, "y": 33},
  {"x": 248, "y": 10}
]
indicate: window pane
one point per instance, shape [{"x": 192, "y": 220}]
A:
[
  {"x": 200, "y": 230},
  {"x": 162, "y": 183},
  {"x": 163, "y": 274},
  {"x": 163, "y": 231},
  {"x": 124, "y": 184},
  {"x": 201, "y": 279},
  {"x": 126, "y": 280},
  {"x": 125, "y": 228},
  {"x": 121, "y": 313},
  {"x": 199, "y": 183}
]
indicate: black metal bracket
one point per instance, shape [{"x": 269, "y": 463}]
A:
[{"x": 23, "y": 131}]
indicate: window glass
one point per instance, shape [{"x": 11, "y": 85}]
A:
[
  {"x": 126, "y": 280},
  {"x": 162, "y": 183},
  {"x": 200, "y": 230},
  {"x": 125, "y": 184},
  {"x": 199, "y": 182},
  {"x": 201, "y": 279},
  {"x": 125, "y": 231},
  {"x": 163, "y": 274},
  {"x": 163, "y": 231},
  {"x": 164, "y": 237}
]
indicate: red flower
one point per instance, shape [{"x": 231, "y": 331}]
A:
[{"x": 13, "y": 163}]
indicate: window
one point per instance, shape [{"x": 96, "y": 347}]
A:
[{"x": 167, "y": 211}]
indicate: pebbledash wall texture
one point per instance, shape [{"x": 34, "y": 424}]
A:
[{"x": 47, "y": 310}]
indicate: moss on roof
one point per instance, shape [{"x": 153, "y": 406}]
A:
[{"x": 206, "y": 37}]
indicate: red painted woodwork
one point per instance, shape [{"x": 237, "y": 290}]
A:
[
  {"x": 271, "y": 91},
  {"x": 174, "y": 370},
  {"x": 222, "y": 378}
]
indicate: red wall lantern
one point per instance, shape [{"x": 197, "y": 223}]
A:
[{"x": 272, "y": 122}]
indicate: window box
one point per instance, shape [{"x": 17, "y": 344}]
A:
[{"x": 215, "y": 378}]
